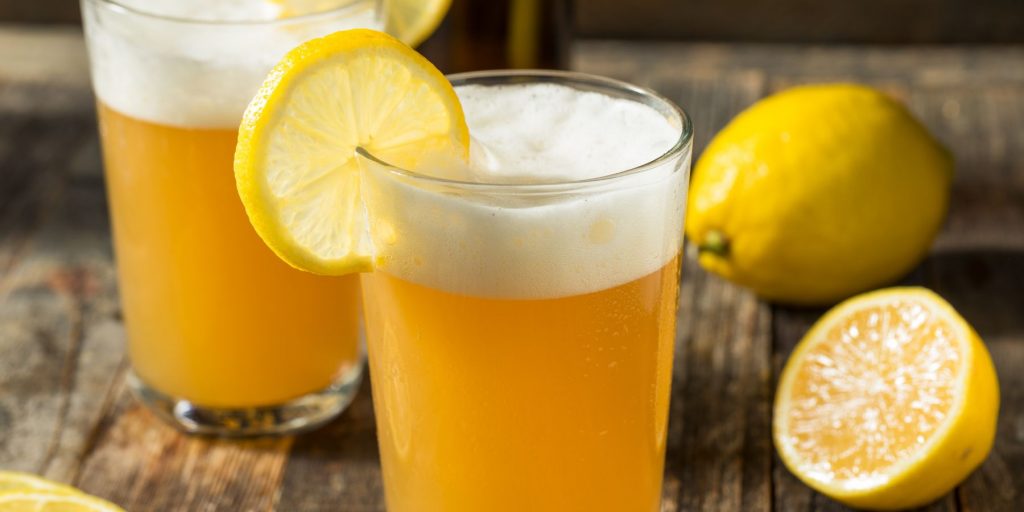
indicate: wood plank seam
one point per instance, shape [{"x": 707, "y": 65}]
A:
[
  {"x": 105, "y": 419},
  {"x": 69, "y": 290}
]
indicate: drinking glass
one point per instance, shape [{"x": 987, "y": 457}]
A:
[
  {"x": 521, "y": 335},
  {"x": 224, "y": 338}
]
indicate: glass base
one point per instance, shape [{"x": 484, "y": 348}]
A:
[{"x": 298, "y": 415}]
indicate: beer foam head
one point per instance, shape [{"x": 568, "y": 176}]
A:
[
  {"x": 527, "y": 241},
  {"x": 546, "y": 133},
  {"x": 196, "y": 63}
]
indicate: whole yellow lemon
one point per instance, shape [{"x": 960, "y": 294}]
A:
[{"x": 818, "y": 192}]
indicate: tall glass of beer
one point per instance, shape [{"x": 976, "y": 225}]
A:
[
  {"x": 223, "y": 337},
  {"x": 521, "y": 315}
]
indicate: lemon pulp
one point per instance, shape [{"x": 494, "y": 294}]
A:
[{"x": 888, "y": 402}]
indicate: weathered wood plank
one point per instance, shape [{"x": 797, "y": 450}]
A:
[
  {"x": 981, "y": 271},
  {"x": 978, "y": 264},
  {"x": 60, "y": 344},
  {"x": 337, "y": 466},
  {"x": 719, "y": 455},
  {"x": 985, "y": 285},
  {"x": 143, "y": 464}
]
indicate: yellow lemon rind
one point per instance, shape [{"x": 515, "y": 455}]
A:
[
  {"x": 787, "y": 187},
  {"x": 20, "y": 481},
  {"x": 85, "y": 502},
  {"x": 270, "y": 101},
  {"x": 423, "y": 26},
  {"x": 957, "y": 448}
]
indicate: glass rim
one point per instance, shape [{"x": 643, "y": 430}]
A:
[
  {"x": 121, "y": 6},
  {"x": 682, "y": 143}
]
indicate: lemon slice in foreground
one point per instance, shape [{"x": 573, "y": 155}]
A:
[
  {"x": 411, "y": 21},
  {"x": 44, "y": 501},
  {"x": 17, "y": 481},
  {"x": 888, "y": 402},
  {"x": 295, "y": 164}
]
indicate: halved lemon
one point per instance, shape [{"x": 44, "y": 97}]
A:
[
  {"x": 411, "y": 21},
  {"x": 295, "y": 164},
  {"x": 45, "y": 501},
  {"x": 888, "y": 402},
  {"x": 18, "y": 481}
]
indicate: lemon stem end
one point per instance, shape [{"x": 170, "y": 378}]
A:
[{"x": 715, "y": 243}]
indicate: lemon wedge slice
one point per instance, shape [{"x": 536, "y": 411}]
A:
[
  {"x": 18, "y": 481},
  {"x": 45, "y": 501},
  {"x": 888, "y": 402},
  {"x": 295, "y": 164},
  {"x": 411, "y": 21}
]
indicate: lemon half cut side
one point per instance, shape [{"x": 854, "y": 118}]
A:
[
  {"x": 888, "y": 402},
  {"x": 295, "y": 164}
]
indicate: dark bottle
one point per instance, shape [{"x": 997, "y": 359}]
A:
[{"x": 501, "y": 34}]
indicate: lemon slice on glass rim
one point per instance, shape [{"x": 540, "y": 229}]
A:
[{"x": 295, "y": 163}]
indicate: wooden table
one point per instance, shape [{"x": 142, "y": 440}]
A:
[{"x": 65, "y": 412}]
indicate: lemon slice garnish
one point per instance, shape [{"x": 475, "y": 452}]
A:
[
  {"x": 49, "y": 501},
  {"x": 411, "y": 21},
  {"x": 295, "y": 164},
  {"x": 888, "y": 402},
  {"x": 18, "y": 481}
]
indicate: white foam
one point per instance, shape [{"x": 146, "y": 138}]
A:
[
  {"x": 541, "y": 245},
  {"x": 547, "y": 133},
  {"x": 199, "y": 75}
]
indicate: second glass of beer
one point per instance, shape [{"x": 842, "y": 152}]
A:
[{"x": 224, "y": 337}]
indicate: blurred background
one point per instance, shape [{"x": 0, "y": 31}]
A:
[{"x": 545, "y": 29}]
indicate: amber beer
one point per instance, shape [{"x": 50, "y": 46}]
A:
[
  {"x": 555, "y": 404},
  {"x": 521, "y": 332},
  {"x": 223, "y": 337}
]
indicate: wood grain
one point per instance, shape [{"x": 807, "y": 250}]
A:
[
  {"x": 336, "y": 467},
  {"x": 60, "y": 347},
  {"x": 145, "y": 465}
]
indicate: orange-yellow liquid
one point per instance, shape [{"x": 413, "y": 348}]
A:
[
  {"x": 522, "y": 405},
  {"x": 213, "y": 316}
]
